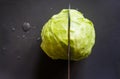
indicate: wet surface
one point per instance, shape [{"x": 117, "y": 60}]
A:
[{"x": 22, "y": 58}]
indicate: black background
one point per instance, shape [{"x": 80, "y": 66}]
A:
[{"x": 22, "y": 58}]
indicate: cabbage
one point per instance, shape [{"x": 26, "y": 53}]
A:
[{"x": 55, "y": 36}]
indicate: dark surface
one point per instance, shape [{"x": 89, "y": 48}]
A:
[{"x": 22, "y": 58}]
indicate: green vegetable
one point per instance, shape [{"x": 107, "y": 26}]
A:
[{"x": 55, "y": 36}]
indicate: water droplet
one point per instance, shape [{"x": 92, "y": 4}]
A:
[
  {"x": 18, "y": 57},
  {"x": 34, "y": 27},
  {"x": 77, "y": 9},
  {"x": 28, "y": 32},
  {"x": 18, "y": 36},
  {"x": 26, "y": 26},
  {"x": 23, "y": 36},
  {"x": 3, "y": 48},
  {"x": 51, "y": 8},
  {"x": 38, "y": 38},
  {"x": 13, "y": 29}
]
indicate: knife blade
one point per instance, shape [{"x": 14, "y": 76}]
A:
[{"x": 69, "y": 54}]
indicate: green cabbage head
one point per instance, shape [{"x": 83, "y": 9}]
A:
[{"x": 55, "y": 36}]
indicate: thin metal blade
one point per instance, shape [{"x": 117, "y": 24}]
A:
[{"x": 69, "y": 54}]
